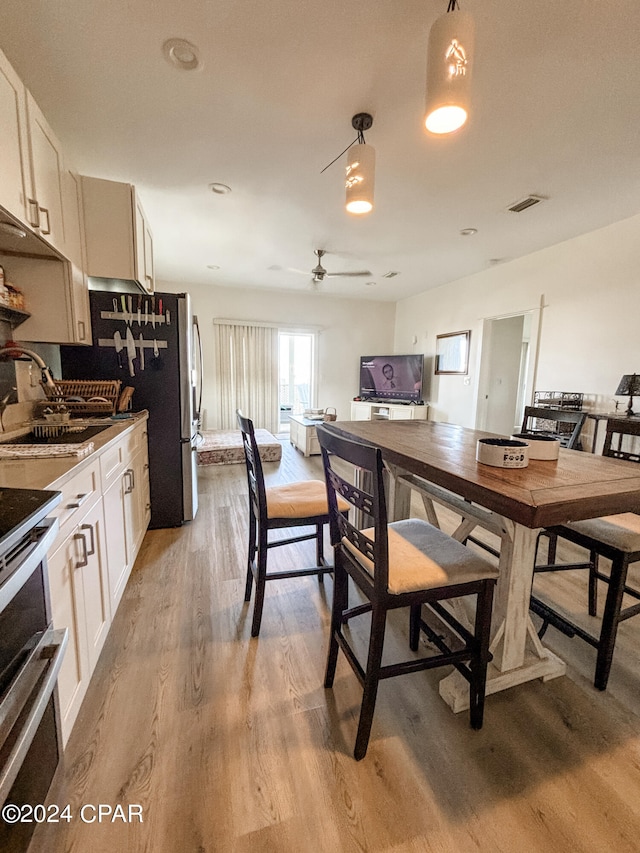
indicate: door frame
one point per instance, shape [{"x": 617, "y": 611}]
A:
[{"x": 484, "y": 373}]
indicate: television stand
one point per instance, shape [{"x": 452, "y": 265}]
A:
[{"x": 362, "y": 410}]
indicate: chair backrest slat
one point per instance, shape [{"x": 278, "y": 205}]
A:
[
  {"x": 366, "y": 496},
  {"x": 255, "y": 476},
  {"x": 573, "y": 420}
]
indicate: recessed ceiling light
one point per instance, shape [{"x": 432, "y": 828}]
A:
[
  {"x": 14, "y": 230},
  {"x": 181, "y": 54},
  {"x": 468, "y": 232},
  {"x": 219, "y": 189},
  {"x": 370, "y": 283},
  {"x": 213, "y": 267}
]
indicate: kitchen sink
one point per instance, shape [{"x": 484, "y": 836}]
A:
[{"x": 75, "y": 435}]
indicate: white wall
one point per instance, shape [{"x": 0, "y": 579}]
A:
[
  {"x": 590, "y": 289},
  {"x": 348, "y": 329}
]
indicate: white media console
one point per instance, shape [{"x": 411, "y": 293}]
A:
[{"x": 366, "y": 411}]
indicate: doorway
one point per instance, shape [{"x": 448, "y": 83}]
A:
[
  {"x": 507, "y": 371},
  {"x": 296, "y": 374}
]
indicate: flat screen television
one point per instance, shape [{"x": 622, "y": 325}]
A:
[{"x": 391, "y": 377}]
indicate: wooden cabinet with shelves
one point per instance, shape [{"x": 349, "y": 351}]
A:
[
  {"x": 118, "y": 237},
  {"x": 56, "y": 301},
  {"x": 365, "y": 411}
]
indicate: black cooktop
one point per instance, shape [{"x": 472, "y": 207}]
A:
[{"x": 22, "y": 509}]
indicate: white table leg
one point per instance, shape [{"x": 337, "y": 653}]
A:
[{"x": 518, "y": 654}]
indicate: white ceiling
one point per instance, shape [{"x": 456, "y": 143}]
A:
[{"x": 556, "y": 111}]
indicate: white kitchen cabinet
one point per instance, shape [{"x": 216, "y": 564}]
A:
[
  {"x": 118, "y": 238},
  {"x": 45, "y": 205},
  {"x": 55, "y": 297},
  {"x": 79, "y": 308},
  {"x": 78, "y": 584},
  {"x": 125, "y": 479},
  {"x": 302, "y": 434},
  {"x": 365, "y": 411},
  {"x": 15, "y": 175}
]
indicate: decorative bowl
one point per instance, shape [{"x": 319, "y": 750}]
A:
[
  {"x": 544, "y": 447},
  {"x": 502, "y": 452}
]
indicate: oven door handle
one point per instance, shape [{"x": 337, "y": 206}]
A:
[{"x": 50, "y": 649}]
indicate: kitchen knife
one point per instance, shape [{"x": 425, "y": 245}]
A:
[
  {"x": 160, "y": 307},
  {"x": 130, "y": 301},
  {"x": 153, "y": 311},
  {"x": 168, "y": 318},
  {"x": 131, "y": 350},
  {"x": 117, "y": 340},
  {"x": 141, "y": 339},
  {"x": 139, "y": 308},
  {"x": 123, "y": 302}
]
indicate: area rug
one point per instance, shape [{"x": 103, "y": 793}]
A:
[{"x": 224, "y": 447}]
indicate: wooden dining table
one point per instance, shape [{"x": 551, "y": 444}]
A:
[{"x": 438, "y": 461}]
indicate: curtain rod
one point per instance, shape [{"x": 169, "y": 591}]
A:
[{"x": 223, "y": 321}]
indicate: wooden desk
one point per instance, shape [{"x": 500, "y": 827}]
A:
[{"x": 439, "y": 461}]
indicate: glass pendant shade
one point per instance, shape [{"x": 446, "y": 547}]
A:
[
  {"x": 360, "y": 178},
  {"x": 449, "y": 66}
]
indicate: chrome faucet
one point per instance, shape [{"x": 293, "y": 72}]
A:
[{"x": 15, "y": 351}]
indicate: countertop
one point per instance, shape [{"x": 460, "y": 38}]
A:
[
  {"x": 20, "y": 509},
  {"x": 51, "y": 472}
]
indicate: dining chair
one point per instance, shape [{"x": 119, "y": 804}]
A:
[
  {"x": 614, "y": 537},
  {"x": 299, "y": 504},
  {"x": 563, "y": 423},
  {"x": 407, "y": 563}
]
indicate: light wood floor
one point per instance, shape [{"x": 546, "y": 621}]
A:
[{"x": 232, "y": 744}]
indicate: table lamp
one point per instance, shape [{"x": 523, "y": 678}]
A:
[{"x": 629, "y": 384}]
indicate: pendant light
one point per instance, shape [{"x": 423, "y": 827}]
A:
[
  {"x": 360, "y": 169},
  {"x": 449, "y": 65}
]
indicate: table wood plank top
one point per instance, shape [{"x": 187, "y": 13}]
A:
[{"x": 576, "y": 486}]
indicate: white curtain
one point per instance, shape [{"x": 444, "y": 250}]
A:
[{"x": 247, "y": 373}]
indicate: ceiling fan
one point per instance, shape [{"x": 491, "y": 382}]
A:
[{"x": 319, "y": 273}]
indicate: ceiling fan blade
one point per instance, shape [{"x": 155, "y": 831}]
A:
[{"x": 349, "y": 274}]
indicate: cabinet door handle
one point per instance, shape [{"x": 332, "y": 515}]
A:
[
  {"x": 129, "y": 488},
  {"x": 46, "y": 230},
  {"x": 80, "y": 499},
  {"x": 89, "y": 527},
  {"x": 33, "y": 208},
  {"x": 82, "y": 333},
  {"x": 84, "y": 561}
]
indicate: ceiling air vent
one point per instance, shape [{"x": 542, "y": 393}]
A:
[
  {"x": 525, "y": 203},
  {"x": 390, "y": 274}
]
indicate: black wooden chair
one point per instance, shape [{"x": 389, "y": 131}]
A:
[
  {"x": 406, "y": 563},
  {"x": 300, "y": 504},
  {"x": 614, "y": 537},
  {"x": 565, "y": 424}
]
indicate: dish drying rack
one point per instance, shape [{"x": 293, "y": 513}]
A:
[{"x": 87, "y": 389}]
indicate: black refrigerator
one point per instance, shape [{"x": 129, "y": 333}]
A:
[{"x": 152, "y": 344}]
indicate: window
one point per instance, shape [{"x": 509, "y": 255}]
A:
[{"x": 296, "y": 373}]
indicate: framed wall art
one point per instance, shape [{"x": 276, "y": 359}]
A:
[{"x": 452, "y": 352}]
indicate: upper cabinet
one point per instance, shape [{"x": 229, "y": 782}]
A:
[
  {"x": 45, "y": 204},
  {"x": 118, "y": 237},
  {"x": 15, "y": 174}
]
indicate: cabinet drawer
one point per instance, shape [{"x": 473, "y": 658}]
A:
[
  {"x": 112, "y": 463},
  {"x": 136, "y": 440},
  {"x": 79, "y": 494}
]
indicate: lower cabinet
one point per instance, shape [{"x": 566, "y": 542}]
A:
[
  {"x": 78, "y": 583},
  {"x": 103, "y": 517}
]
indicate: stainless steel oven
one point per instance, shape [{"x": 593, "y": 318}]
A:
[{"x": 31, "y": 653}]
